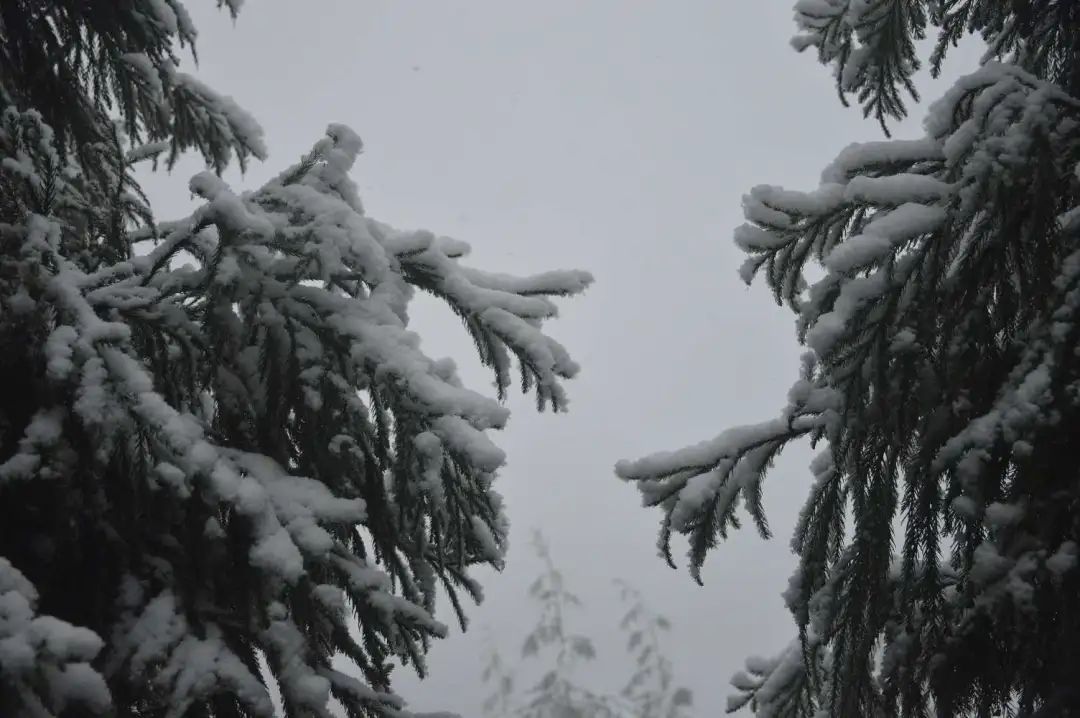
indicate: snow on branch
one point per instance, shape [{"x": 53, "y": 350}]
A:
[
  {"x": 942, "y": 328},
  {"x": 700, "y": 487},
  {"x": 271, "y": 394},
  {"x": 46, "y": 662}
]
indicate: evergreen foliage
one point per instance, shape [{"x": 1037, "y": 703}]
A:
[
  {"x": 650, "y": 692},
  {"x": 223, "y": 455},
  {"x": 942, "y": 382},
  {"x": 557, "y": 694},
  {"x": 651, "y": 689}
]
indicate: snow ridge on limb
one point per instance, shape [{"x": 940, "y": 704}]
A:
[
  {"x": 942, "y": 381},
  {"x": 701, "y": 486}
]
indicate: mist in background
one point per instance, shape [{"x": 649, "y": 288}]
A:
[{"x": 610, "y": 135}]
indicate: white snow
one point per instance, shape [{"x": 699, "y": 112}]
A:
[
  {"x": 40, "y": 652},
  {"x": 147, "y": 73},
  {"x": 1064, "y": 559},
  {"x": 1002, "y": 515},
  {"x": 896, "y": 189},
  {"x": 883, "y": 235},
  {"x": 703, "y": 455}
]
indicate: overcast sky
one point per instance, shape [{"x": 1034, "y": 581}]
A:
[{"x": 610, "y": 135}]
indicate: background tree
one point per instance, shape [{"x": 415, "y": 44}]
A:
[
  {"x": 651, "y": 688},
  {"x": 223, "y": 455},
  {"x": 501, "y": 700},
  {"x": 559, "y": 693},
  {"x": 941, "y": 381}
]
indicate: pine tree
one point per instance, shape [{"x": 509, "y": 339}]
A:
[
  {"x": 223, "y": 455},
  {"x": 501, "y": 701},
  {"x": 650, "y": 692},
  {"x": 651, "y": 688},
  {"x": 936, "y": 285},
  {"x": 558, "y": 694}
]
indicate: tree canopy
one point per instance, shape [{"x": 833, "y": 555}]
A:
[
  {"x": 935, "y": 286},
  {"x": 224, "y": 458}
]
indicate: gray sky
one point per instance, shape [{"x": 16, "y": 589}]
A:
[{"x": 610, "y": 135}]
